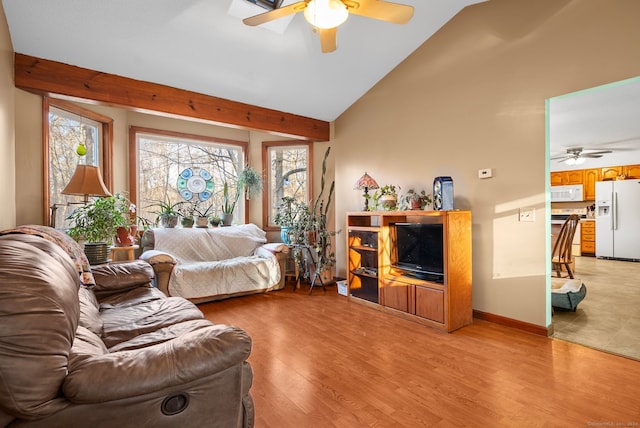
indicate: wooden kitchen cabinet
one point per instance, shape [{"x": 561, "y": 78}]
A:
[
  {"x": 556, "y": 178},
  {"x": 610, "y": 172},
  {"x": 631, "y": 171},
  {"x": 588, "y": 238},
  {"x": 590, "y": 177},
  {"x": 562, "y": 178},
  {"x": 575, "y": 176}
]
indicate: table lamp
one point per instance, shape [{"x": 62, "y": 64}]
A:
[
  {"x": 86, "y": 181},
  {"x": 365, "y": 183}
]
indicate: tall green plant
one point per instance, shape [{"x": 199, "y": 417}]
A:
[
  {"x": 98, "y": 220},
  {"x": 319, "y": 224}
]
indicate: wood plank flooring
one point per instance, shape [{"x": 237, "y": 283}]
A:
[{"x": 322, "y": 361}]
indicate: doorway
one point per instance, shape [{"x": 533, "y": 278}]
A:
[{"x": 602, "y": 123}]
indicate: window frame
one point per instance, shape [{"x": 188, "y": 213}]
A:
[
  {"x": 266, "y": 168},
  {"x": 133, "y": 156},
  {"x": 105, "y": 146}
]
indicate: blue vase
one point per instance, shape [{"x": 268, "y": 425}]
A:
[{"x": 284, "y": 235}]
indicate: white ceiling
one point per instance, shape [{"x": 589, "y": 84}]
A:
[
  {"x": 602, "y": 118},
  {"x": 199, "y": 46}
]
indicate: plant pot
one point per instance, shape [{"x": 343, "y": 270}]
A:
[
  {"x": 416, "y": 204},
  {"x": 169, "y": 221},
  {"x": 388, "y": 202},
  {"x": 284, "y": 235},
  {"x": 96, "y": 252},
  {"x": 187, "y": 222},
  {"x": 214, "y": 221},
  {"x": 227, "y": 219},
  {"x": 126, "y": 236},
  {"x": 202, "y": 221}
]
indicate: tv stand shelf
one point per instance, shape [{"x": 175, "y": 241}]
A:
[{"x": 371, "y": 243}]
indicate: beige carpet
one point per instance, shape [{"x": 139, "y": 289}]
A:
[{"x": 608, "y": 318}]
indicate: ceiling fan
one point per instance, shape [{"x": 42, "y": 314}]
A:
[
  {"x": 577, "y": 155},
  {"x": 327, "y": 15}
]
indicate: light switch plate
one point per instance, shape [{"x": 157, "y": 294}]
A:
[{"x": 527, "y": 214}]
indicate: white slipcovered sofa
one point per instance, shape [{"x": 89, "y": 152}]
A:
[{"x": 207, "y": 264}]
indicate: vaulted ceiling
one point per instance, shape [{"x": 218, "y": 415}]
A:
[{"x": 203, "y": 46}]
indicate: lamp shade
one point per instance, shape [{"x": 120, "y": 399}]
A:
[
  {"x": 86, "y": 181},
  {"x": 366, "y": 182}
]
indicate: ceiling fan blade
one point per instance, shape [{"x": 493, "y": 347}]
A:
[
  {"x": 597, "y": 153},
  {"x": 562, "y": 160},
  {"x": 328, "y": 39},
  {"x": 382, "y": 10},
  {"x": 276, "y": 13}
]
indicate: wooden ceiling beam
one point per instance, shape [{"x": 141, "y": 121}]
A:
[{"x": 55, "y": 78}]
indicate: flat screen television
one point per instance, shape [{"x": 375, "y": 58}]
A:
[{"x": 419, "y": 250}]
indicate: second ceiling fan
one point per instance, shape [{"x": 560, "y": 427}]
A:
[
  {"x": 327, "y": 15},
  {"x": 577, "y": 155}
]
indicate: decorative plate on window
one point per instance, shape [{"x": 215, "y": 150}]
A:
[{"x": 195, "y": 182}]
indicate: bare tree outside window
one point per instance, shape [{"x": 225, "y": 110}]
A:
[
  {"x": 73, "y": 140},
  {"x": 161, "y": 160},
  {"x": 288, "y": 174}
]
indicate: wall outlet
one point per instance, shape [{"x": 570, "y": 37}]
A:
[
  {"x": 527, "y": 214},
  {"x": 485, "y": 173}
]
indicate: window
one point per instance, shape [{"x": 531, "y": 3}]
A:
[
  {"x": 165, "y": 162},
  {"x": 73, "y": 136},
  {"x": 288, "y": 167}
]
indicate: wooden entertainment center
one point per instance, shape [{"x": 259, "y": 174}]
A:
[{"x": 373, "y": 280}]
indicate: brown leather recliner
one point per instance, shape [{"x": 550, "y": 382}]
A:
[{"x": 118, "y": 354}]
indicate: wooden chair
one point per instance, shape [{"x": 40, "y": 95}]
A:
[{"x": 561, "y": 255}]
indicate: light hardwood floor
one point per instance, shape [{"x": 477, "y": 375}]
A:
[{"x": 322, "y": 361}]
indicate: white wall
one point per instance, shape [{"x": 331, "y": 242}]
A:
[{"x": 472, "y": 97}]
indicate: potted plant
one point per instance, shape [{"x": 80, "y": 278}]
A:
[
  {"x": 127, "y": 234},
  {"x": 228, "y": 204},
  {"x": 306, "y": 225},
  {"x": 214, "y": 220},
  {"x": 416, "y": 201},
  {"x": 202, "y": 214},
  {"x": 250, "y": 182},
  {"x": 96, "y": 224},
  {"x": 186, "y": 212},
  {"x": 325, "y": 257},
  {"x": 386, "y": 197},
  {"x": 167, "y": 213},
  {"x": 292, "y": 217}
]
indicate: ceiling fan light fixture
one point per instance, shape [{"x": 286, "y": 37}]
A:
[
  {"x": 326, "y": 14},
  {"x": 575, "y": 160}
]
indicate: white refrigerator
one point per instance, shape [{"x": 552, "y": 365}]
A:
[{"x": 618, "y": 219}]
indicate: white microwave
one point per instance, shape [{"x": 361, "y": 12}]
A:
[{"x": 567, "y": 193}]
